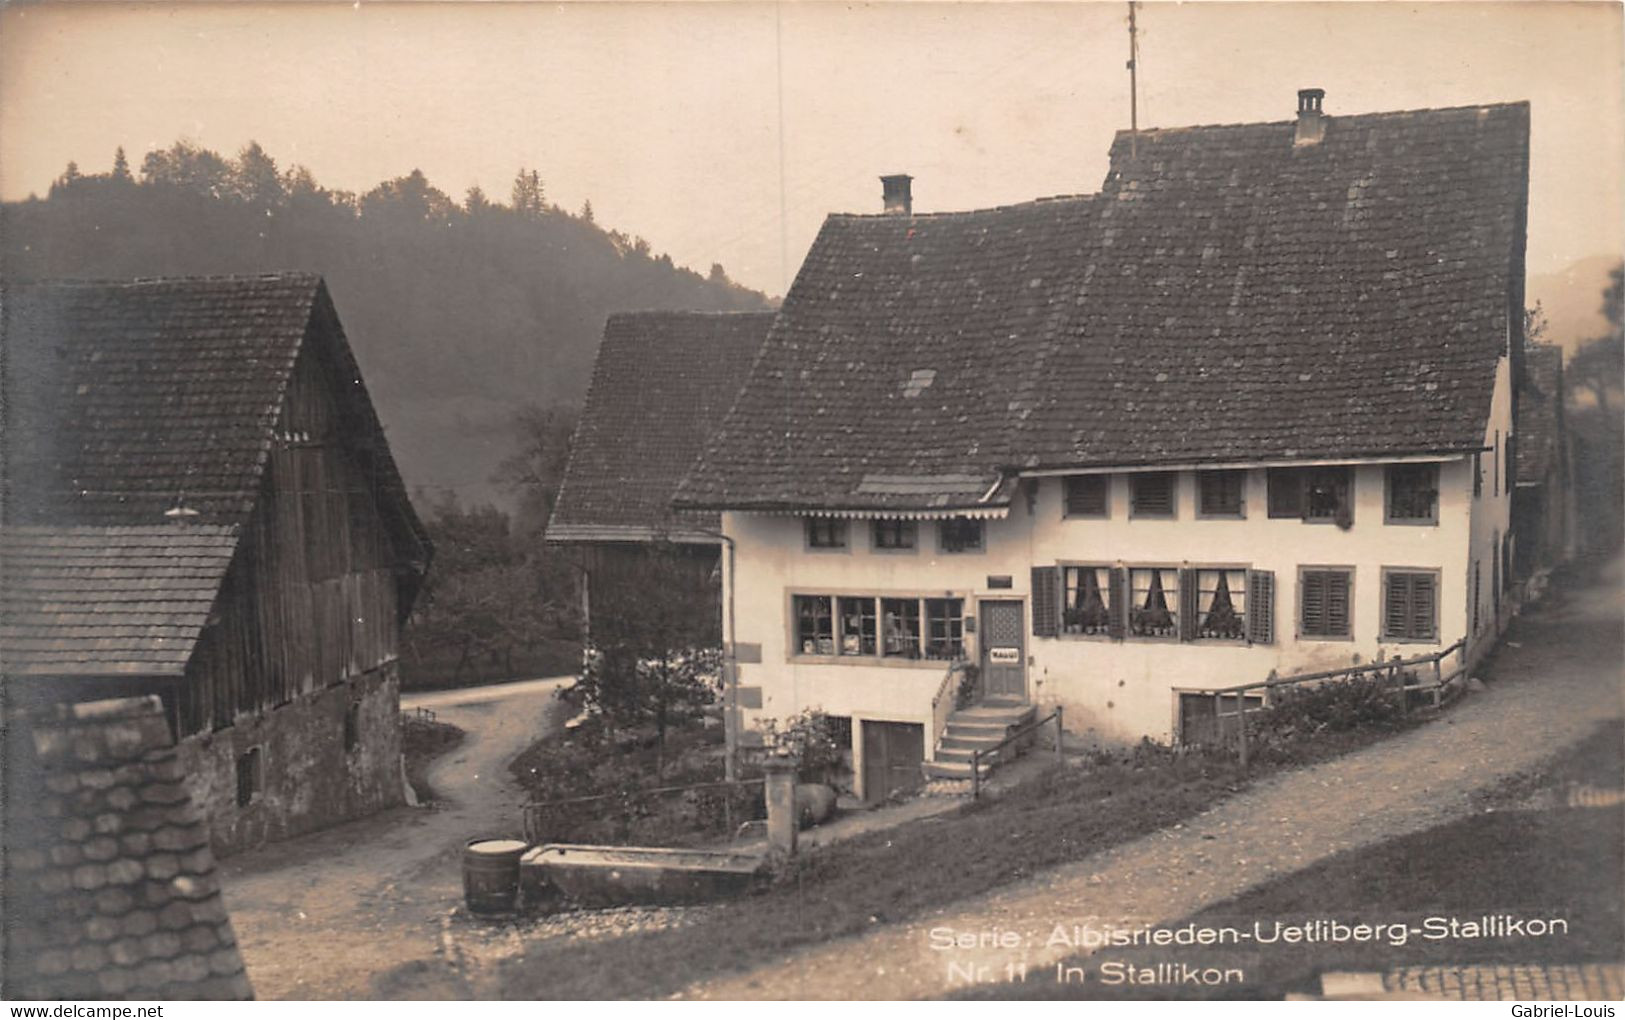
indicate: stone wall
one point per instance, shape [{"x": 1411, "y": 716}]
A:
[{"x": 307, "y": 778}]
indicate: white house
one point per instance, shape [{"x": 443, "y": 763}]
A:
[{"x": 1248, "y": 408}]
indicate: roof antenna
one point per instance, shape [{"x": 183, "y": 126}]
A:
[{"x": 1133, "y": 87}]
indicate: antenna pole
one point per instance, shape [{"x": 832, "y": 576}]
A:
[{"x": 1133, "y": 87}]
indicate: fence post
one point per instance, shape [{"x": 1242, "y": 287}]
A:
[
  {"x": 976, "y": 774},
  {"x": 1060, "y": 756},
  {"x": 780, "y": 793},
  {"x": 1241, "y": 718}
]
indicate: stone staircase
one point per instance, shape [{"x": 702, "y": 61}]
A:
[{"x": 978, "y": 728}]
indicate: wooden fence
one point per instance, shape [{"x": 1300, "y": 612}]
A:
[{"x": 1424, "y": 673}]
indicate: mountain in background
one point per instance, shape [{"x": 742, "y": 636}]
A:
[
  {"x": 1572, "y": 300},
  {"x": 461, "y": 313}
]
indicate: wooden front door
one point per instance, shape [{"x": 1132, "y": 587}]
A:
[
  {"x": 1004, "y": 654},
  {"x": 892, "y": 755}
]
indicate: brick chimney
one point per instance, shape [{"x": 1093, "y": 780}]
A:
[
  {"x": 895, "y": 192},
  {"x": 1311, "y": 122}
]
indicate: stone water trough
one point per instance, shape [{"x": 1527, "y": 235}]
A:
[{"x": 606, "y": 876}]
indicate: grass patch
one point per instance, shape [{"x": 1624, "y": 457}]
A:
[
  {"x": 900, "y": 873},
  {"x": 422, "y": 741},
  {"x": 1557, "y": 863}
]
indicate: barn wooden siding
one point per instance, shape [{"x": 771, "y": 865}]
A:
[{"x": 312, "y": 598}]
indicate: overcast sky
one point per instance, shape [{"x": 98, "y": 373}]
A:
[{"x": 725, "y": 132}]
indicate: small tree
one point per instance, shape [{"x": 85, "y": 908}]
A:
[{"x": 650, "y": 661}]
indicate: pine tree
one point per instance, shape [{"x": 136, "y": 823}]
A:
[
  {"x": 586, "y": 211},
  {"x": 121, "y": 167}
]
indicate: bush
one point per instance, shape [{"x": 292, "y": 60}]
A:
[{"x": 810, "y": 738}]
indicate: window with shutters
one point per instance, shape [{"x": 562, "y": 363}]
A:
[
  {"x": 1319, "y": 494},
  {"x": 1086, "y": 600},
  {"x": 1153, "y": 601},
  {"x": 1152, "y": 493},
  {"x": 1221, "y": 603},
  {"x": 1087, "y": 496},
  {"x": 1324, "y": 598},
  {"x": 893, "y": 535},
  {"x": 1413, "y": 494},
  {"x": 1410, "y": 604},
  {"x": 826, "y": 533},
  {"x": 960, "y": 535},
  {"x": 1220, "y": 493}
]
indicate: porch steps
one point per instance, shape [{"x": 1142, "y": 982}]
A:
[{"x": 977, "y": 728}]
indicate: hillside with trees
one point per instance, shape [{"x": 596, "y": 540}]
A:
[{"x": 462, "y": 313}]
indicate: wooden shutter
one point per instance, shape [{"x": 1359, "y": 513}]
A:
[
  {"x": 1261, "y": 607},
  {"x": 1286, "y": 492},
  {"x": 1086, "y": 496},
  {"x": 1337, "y": 603},
  {"x": 1396, "y": 610},
  {"x": 1312, "y": 602},
  {"x": 1187, "y": 604},
  {"x": 1152, "y": 493},
  {"x": 1046, "y": 599},
  {"x": 1117, "y": 581},
  {"x": 1424, "y": 606}
]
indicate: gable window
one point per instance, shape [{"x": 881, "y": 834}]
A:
[
  {"x": 1413, "y": 494},
  {"x": 826, "y": 533},
  {"x": 945, "y": 628},
  {"x": 1088, "y": 593},
  {"x": 894, "y": 534},
  {"x": 1312, "y": 494},
  {"x": 815, "y": 625},
  {"x": 1221, "y": 603},
  {"x": 857, "y": 625},
  {"x": 900, "y": 627},
  {"x": 1220, "y": 493},
  {"x": 1088, "y": 495},
  {"x": 1323, "y": 602},
  {"x": 1151, "y": 494},
  {"x": 960, "y": 534},
  {"x": 1410, "y": 605},
  {"x": 1153, "y": 601}
]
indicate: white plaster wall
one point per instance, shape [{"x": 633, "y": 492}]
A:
[
  {"x": 1491, "y": 517},
  {"x": 1113, "y": 691}
]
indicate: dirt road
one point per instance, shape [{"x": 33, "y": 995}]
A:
[
  {"x": 355, "y": 911},
  {"x": 1553, "y": 688}
]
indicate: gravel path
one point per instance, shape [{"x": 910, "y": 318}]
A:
[
  {"x": 356, "y": 911},
  {"x": 1555, "y": 688}
]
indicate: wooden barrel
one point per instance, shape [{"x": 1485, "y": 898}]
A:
[{"x": 491, "y": 874}]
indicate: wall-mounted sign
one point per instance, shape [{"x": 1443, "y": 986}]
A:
[
  {"x": 1004, "y": 654},
  {"x": 1000, "y": 581}
]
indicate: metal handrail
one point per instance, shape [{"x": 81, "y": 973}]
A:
[
  {"x": 1017, "y": 734},
  {"x": 942, "y": 705}
]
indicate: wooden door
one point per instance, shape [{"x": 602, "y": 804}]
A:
[
  {"x": 892, "y": 755},
  {"x": 1004, "y": 657}
]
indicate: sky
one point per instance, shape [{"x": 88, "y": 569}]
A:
[{"x": 725, "y": 132}]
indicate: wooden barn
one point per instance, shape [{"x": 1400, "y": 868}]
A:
[{"x": 200, "y": 504}]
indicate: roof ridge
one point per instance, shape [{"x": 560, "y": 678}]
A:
[
  {"x": 290, "y": 276},
  {"x": 1368, "y": 115},
  {"x": 1079, "y": 198}
]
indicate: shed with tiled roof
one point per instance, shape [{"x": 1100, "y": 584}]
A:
[{"x": 200, "y": 503}]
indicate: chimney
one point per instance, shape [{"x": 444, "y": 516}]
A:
[
  {"x": 1311, "y": 122},
  {"x": 896, "y": 194}
]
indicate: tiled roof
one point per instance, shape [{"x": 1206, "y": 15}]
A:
[
  {"x": 662, "y": 383},
  {"x": 1248, "y": 298},
  {"x": 90, "y": 601},
  {"x": 111, "y": 890},
  {"x": 123, "y": 397},
  {"x": 1540, "y": 413},
  {"x": 888, "y": 379},
  {"x": 1227, "y": 296}
]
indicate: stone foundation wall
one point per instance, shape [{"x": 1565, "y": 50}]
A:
[{"x": 308, "y": 779}]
